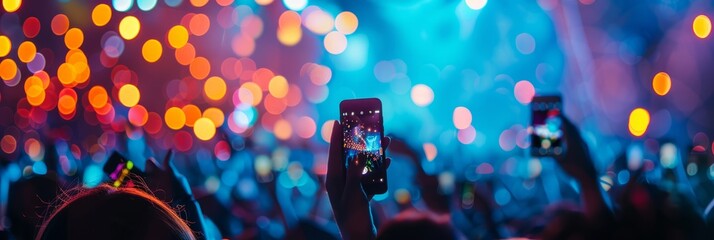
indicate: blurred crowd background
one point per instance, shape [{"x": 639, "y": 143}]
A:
[{"x": 245, "y": 93}]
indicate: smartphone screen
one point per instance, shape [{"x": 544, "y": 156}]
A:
[
  {"x": 546, "y": 127},
  {"x": 363, "y": 130},
  {"x": 119, "y": 170}
]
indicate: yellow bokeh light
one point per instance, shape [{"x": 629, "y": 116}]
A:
[
  {"x": 101, "y": 14},
  {"x": 98, "y": 97},
  {"x": 250, "y": 93},
  {"x": 335, "y": 42},
  {"x": 282, "y": 129},
  {"x": 346, "y": 22},
  {"x": 278, "y": 86},
  {"x": 200, "y": 68},
  {"x": 35, "y": 91},
  {"x": 199, "y": 3},
  {"x": 174, "y": 118},
  {"x": 263, "y": 2},
  {"x": 178, "y": 36},
  {"x": 31, "y": 83},
  {"x": 216, "y": 115},
  {"x": 289, "y": 36},
  {"x": 129, "y": 95},
  {"x": 5, "y": 45},
  {"x": 702, "y": 26},
  {"x": 151, "y": 50},
  {"x": 26, "y": 51},
  {"x": 215, "y": 88},
  {"x": 8, "y": 69},
  {"x": 11, "y": 5},
  {"x": 66, "y": 73},
  {"x": 129, "y": 27},
  {"x": 192, "y": 113},
  {"x": 74, "y": 38},
  {"x": 661, "y": 83},
  {"x": 639, "y": 121},
  {"x": 204, "y": 129}
]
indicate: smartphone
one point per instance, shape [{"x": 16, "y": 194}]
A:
[
  {"x": 363, "y": 130},
  {"x": 546, "y": 126},
  {"x": 120, "y": 170}
]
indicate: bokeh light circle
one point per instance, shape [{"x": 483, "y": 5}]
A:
[
  {"x": 524, "y": 92},
  {"x": 422, "y": 95},
  {"x": 204, "y": 129},
  {"x": 476, "y": 4},
  {"x": 8, "y": 69},
  {"x": 702, "y": 26},
  {"x": 295, "y": 5},
  {"x": 98, "y": 97},
  {"x": 661, "y": 83},
  {"x": 59, "y": 24},
  {"x": 335, "y": 42},
  {"x": 31, "y": 27},
  {"x": 462, "y": 117},
  {"x": 26, "y": 51},
  {"x": 11, "y": 5},
  {"x": 199, "y": 24},
  {"x": 639, "y": 121},
  {"x": 138, "y": 115},
  {"x": 174, "y": 118},
  {"x": 146, "y": 5},
  {"x": 200, "y": 68},
  {"x": 101, "y": 14},
  {"x": 74, "y": 38},
  {"x": 192, "y": 113},
  {"x": 215, "y": 88},
  {"x": 5, "y": 45},
  {"x": 282, "y": 129},
  {"x": 129, "y": 27},
  {"x": 216, "y": 115},
  {"x": 129, "y": 95},
  {"x": 525, "y": 43},
  {"x": 278, "y": 86},
  {"x": 178, "y": 36},
  {"x": 151, "y": 50},
  {"x": 346, "y": 22}
]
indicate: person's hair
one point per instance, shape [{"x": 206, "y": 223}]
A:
[
  {"x": 106, "y": 212},
  {"x": 412, "y": 224}
]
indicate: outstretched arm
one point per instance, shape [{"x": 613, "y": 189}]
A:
[
  {"x": 174, "y": 189},
  {"x": 577, "y": 163}
]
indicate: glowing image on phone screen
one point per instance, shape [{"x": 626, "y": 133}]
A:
[
  {"x": 547, "y": 128},
  {"x": 363, "y": 134}
]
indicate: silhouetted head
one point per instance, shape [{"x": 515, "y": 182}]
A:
[
  {"x": 106, "y": 212},
  {"x": 647, "y": 212},
  {"x": 412, "y": 224}
]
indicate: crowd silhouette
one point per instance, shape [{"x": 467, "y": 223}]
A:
[{"x": 162, "y": 205}]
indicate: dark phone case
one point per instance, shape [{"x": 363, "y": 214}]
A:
[
  {"x": 543, "y": 99},
  {"x": 366, "y": 104}
]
